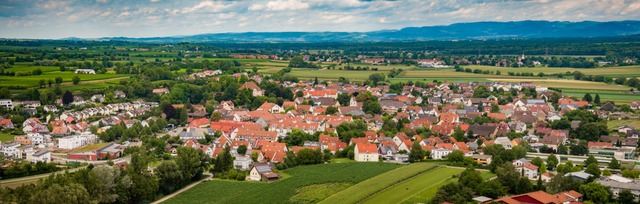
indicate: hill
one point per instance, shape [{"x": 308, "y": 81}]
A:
[{"x": 458, "y": 31}]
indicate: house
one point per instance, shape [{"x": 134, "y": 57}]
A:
[
  {"x": 72, "y": 142},
  {"x": 6, "y": 103},
  {"x": 161, "y": 91},
  {"x": 10, "y": 149},
  {"x": 482, "y": 159},
  {"x": 440, "y": 153},
  {"x": 97, "y": 98},
  {"x": 102, "y": 151},
  {"x": 270, "y": 107},
  {"x": 242, "y": 163},
  {"x": 366, "y": 152},
  {"x": 40, "y": 156},
  {"x": 85, "y": 71},
  {"x": 255, "y": 89},
  {"x": 6, "y": 123},
  {"x": 119, "y": 94},
  {"x": 616, "y": 186},
  {"x": 530, "y": 170},
  {"x": 541, "y": 197},
  {"x": 504, "y": 141},
  {"x": 50, "y": 108},
  {"x": 263, "y": 172}
]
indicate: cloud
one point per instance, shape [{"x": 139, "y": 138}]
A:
[
  {"x": 98, "y": 18},
  {"x": 280, "y": 5}
]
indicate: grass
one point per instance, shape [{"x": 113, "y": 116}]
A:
[
  {"x": 414, "y": 186},
  {"x": 91, "y": 147},
  {"x": 315, "y": 193},
  {"x": 362, "y": 190},
  {"x": 226, "y": 191},
  {"x": 33, "y": 81},
  {"x": 341, "y": 160},
  {"x": 5, "y": 137},
  {"x": 614, "y": 124}
]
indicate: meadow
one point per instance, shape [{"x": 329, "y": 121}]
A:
[
  {"x": 50, "y": 72},
  {"x": 299, "y": 187}
]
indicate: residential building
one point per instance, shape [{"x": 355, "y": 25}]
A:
[{"x": 366, "y": 152}]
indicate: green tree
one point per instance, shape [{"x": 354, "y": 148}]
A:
[
  {"x": 595, "y": 192},
  {"x": 591, "y": 160},
  {"x": 592, "y": 131},
  {"x": 587, "y": 97},
  {"x": 454, "y": 193},
  {"x": 42, "y": 83},
  {"x": 224, "y": 162},
  {"x": 594, "y": 170},
  {"x": 242, "y": 150},
  {"x": 67, "y": 98},
  {"x": 75, "y": 80},
  {"x": 537, "y": 161},
  {"x": 606, "y": 172},
  {"x": 596, "y": 100},
  {"x": 562, "y": 149},
  {"x": 416, "y": 153},
  {"x": 492, "y": 189},
  {"x": 375, "y": 78},
  {"x": 523, "y": 186},
  {"x": 458, "y": 134},
  {"x": 552, "y": 161},
  {"x": 58, "y": 80},
  {"x": 169, "y": 177},
  {"x": 191, "y": 163},
  {"x": 470, "y": 178},
  {"x": 508, "y": 176},
  {"x": 372, "y": 107},
  {"x": 614, "y": 164},
  {"x": 625, "y": 196},
  {"x": 456, "y": 156}
]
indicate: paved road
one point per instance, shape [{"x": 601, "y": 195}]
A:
[{"x": 208, "y": 176}]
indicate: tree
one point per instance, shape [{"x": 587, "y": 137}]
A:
[
  {"x": 343, "y": 99},
  {"x": 216, "y": 116},
  {"x": 224, "y": 162},
  {"x": 508, "y": 176},
  {"x": 458, "y": 134},
  {"x": 67, "y": 98},
  {"x": 106, "y": 180},
  {"x": 590, "y": 160},
  {"x": 537, "y": 161},
  {"x": 42, "y": 83},
  {"x": 169, "y": 177},
  {"x": 579, "y": 149},
  {"x": 595, "y": 192},
  {"x": 372, "y": 107},
  {"x": 606, "y": 172},
  {"x": 75, "y": 80},
  {"x": 56, "y": 193},
  {"x": 552, "y": 161},
  {"x": 630, "y": 173},
  {"x": 542, "y": 169},
  {"x": 596, "y": 100},
  {"x": 523, "y": 186},
  {"x": 587, "y": 97},
  {"x": 191, "y": 163},
  {"x": 5, "y": 93},
  {"x": 594, "y": 170},
  {"x": 492, "y": 189},
  {"x": 297, "y": 137},
  {"x": 454, "y": 193},
  {"x": 416, "y": 153},
  {"x": 242, "y": 150},
  {"x": 58, "y": 80},
  {"x": 184, "y": 116},
  {"x": 625, "y": 196},
  {"x": 592, "y": 131},
  {"x": 614, "y": 164},
  {"x": 455, "y": 156},
  {"x": 470, "y": 178},
  {"x": 562, "y": 149},
  {"x": 375, "y": 78}
]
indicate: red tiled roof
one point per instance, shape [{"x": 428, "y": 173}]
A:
[{"x": 366, "y": 148}]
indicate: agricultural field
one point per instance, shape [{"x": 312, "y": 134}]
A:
[
  {"x": 33, "y": 81},
  {"x": 622, "y": 71},
  {"x": 301, "y": 186},
  {"x": 362, "y": 190},
  {"x": 614, "y": 124}
]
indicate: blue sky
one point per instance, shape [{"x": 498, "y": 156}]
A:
[{"x": 148, "y": 18}]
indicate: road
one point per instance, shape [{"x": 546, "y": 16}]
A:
[{"x": 208, "y": 176}]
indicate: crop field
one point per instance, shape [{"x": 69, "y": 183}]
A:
[
  {"x": 362, "y": 190},
  {"x": 622, "y": 71},
  {"x": 33, "y": 81},
  {"x": 297, "y": 187},
  {"x": 414, "y": 186}
]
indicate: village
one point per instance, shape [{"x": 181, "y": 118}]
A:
[{"x": 359, "y": 122}]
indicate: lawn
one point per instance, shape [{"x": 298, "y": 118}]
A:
[
  {"x": 33, "y": 81},
  {"x": 287, "y": 190},
  {"x": 614, "y": 124},
  {"x": 91, "y": 147},
  {"x": 362, "y": 190},
  {"x": 408, "y": 189},
  {"x": 5, "y": 137}
]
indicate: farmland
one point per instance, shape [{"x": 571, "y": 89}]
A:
[
  {"x": 298, "y": 187},
  {"x": 49, "y": 73},
  {"x": 362, "y": 190}
]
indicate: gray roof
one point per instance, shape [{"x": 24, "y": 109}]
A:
[
  {"x": 580, "y": 174},
  {"x": 263, "y": 168},
  {"x": 620, "y": 185}
]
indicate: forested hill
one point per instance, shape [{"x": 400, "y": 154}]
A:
[{"x": 458, "y": 31}]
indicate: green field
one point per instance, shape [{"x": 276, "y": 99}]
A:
[
  {"x": 5, "y": 137},
  {"x": 614, "y": 124},
  {"x": 414, "y": 186},
  {"x": 287, "y": 190},
  {"x": 362, "y": 190},
  {"x": 33, "y": 81}
]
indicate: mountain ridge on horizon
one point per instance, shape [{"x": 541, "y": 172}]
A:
[{"x": 456, "y": 31}]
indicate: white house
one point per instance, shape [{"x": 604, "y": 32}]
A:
[
  {"x": 40, "y": 156},
  {"x": 72, "y": 142},
  {"x": 530, "y": 170},
  {"x": 366, "y": 152},
  {"x": 10, "y": 149},
  {"x": 85, "y": 71},
  {"x": 242, "y": 163},
  {"x": 440, "y": 153},
  {"x": 6, "y": 103}
]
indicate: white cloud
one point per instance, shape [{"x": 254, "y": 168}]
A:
[
  {"x": 206, "y": 6},
  {"x": 280, "y": 5}
]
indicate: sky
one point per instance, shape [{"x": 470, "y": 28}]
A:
[{"x": 51, "y": 19}]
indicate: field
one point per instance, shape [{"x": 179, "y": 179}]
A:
[
  {"x": 362, "y": 190},
  {"x": 614, "y": 124},
  {"x": 5, "y": 137},
  {"x": 299, "y": 187}
]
